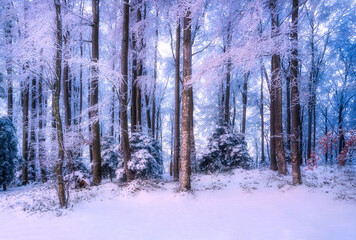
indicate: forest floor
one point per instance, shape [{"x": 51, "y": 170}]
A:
[{"x": 254, "y": 204}]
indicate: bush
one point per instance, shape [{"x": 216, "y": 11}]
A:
[
  {"x": 110, "y": 157},
  {"x": 226, "y": 150},
  {"x": 9, "y": 159},
  {"x": 146, "y": 159}
]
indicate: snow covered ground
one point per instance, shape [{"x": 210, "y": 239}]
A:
[{"x": 254, "y": 204}]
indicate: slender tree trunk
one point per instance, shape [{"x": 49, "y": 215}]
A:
[
  {"x": 296, "y": 175},
  {"x": 228, "y": 77},
  {"x": 125, "y": 145},
  {"x": 95, "y": 94},
  {"x": 310, "y": 97},
  {"x": 186, "y": 108},
  {"x": 244, "y": 103},
  {"x": 177, "y": 106},
  {"x": 8, "y": 39},
  {"x": 32, "y": 149},
  {"x": 25, "y": 101},
  {"x": 155, "y": 77},
  {"x": 289, "y": 130},
  {"x": 41, "y": 133},
  {"x": 276, "y": 97},
  {"x": 112, "y": 110},
  {"x": 55, "y": 102},
  {"x": 134, "y": 83},
  {"x": 262, "y": 119},
  {"x": 193, "y": 155}
]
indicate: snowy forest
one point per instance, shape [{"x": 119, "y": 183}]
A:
[{"x": 128, "y": 109}]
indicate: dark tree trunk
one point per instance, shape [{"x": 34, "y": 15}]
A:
[
  {"x": 8, "y": 40},
  {"x": 186, "y": 107},
  {"x": 228, "y": 77},
  {"x": 155, "y": 77},
  {"x": 41, "y": 133},
  {"x": 55, "y": 102},
  {"x": 244, "y": 103},
  {"x": 134, "y": 83},
  {"x": 95, "y": 94},
  {"x": 297, "y": 179},
  {"x": 276, "y": 96},
  {"x": 32, "y": 150},
  {"x": 25, "y": 101},
  {"x": 262, "y": 119},
  {"x": 177, "y": 106},
  {"x": 125, "y": 145},
  {"x": 289, "y": 130}
]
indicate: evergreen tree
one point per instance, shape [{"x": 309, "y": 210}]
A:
[
  {"x": 226, "y": 150},
  {"x": 146, "y": 158},
  {"x": 8, "y": 151}
]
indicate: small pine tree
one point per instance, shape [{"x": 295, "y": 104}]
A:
[
  {"x": 226, "y": 150},
  {"x": 8, "y": 151},
  {"x": 146, "y": 159},
  {"x": 110, "y": 157}
]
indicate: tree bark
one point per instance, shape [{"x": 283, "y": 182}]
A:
[
  {"x": 276, "y": 97},
  {"x": 177, "y": 106},
  {"x": 262, "y": 118},
  {"x": 186, "y": 108},
  {"x": 25, "y": 101},
  {"x": 55, "y": 102},
  {"x": 95, "y": 94},
  {"x": 296, "y": 175},
  {"x": 125, "y": 145},
  {"x": 244, "y": 103},
  {"x": 228, "y": 77},
  {"x": 155, "y": 77},
  {"x": 32, "y": 149}
]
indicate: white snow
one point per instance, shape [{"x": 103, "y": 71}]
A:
[{"x": 254, "y": 204}]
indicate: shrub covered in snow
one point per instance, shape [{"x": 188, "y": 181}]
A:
[
  {"x": 110, "y": 156},
  {"x": 146, "y": 158},
  {"x": 9, "y": 159},
  {"x": 226, "y": 150}
]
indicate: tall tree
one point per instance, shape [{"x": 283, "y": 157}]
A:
[
  {"x": 244, "y": 103},
  {"x": 228, "y": 75},
  {"x": 177, "y": 106},
  {"x": 276, "y": 96},
  {"x": 95, "y": 94},
  {"x": 186, "y": 105},
  {"x": 9, "y": 72},
  {"x": 125, "y": 145},
  {"x": 55, "y": 104},
  {"x": 295, "y": 98}
]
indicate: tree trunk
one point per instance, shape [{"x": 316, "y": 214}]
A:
[
  {"x": 244, "y": 103},
  {"x": 32, "y": 150},
  {"x": 228, "y": 77},
  {"x": 296, "y": 175},
  {"x": 41, "y": 133},
  {"x": 262, "y": 119},
  {"x": 8, "y": 39},
  {"x": 125, "y": 145},
  {"x": 55, "y": 102},
  {"x": 25, "y": 100},
  {"x": 289, "y": 130},
  {"x": 155, "y": 77},
  {"x": 177, "y": 106},
  {"x": 186, "y": 108},
  {"x": 276, "y": 97},
  {"x": 95, "y": 94},
  {"x": 134, "y": 83}
]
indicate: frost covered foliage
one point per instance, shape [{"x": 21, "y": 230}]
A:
[
  {"x": 146, "y": 159},
  {"x": 110, "y": 157},
  {"x": 8, "y": 151},
  {"x": 226, "y": 150}
]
